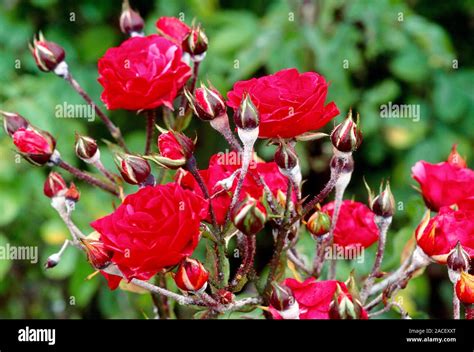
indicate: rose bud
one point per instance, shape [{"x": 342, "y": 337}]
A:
[
  {"x": 225, "y": 297},
  {"x": 97, "y": 254},
  {"x": 52, "y": 261},
  {"x": 54, "y": 185},
  {"x": 455, "y": 159},
  {"x": 191, "y": 276},
  {"x": 12, "y": 122},
  {"x": 196, "y": 42},
  {"x": 249, "y": 216},
  {"x": 175, "y": 149},
  {"x": 283, "y": 301},
  {"x": 48, "y": 55},
  {"x": 207, "y": 103},
  {"x": 36, "y": 146},
  {"x": 87, "y": 149},
  {"x": 286, "y": 157},
  {"x": 344, "y": 306},
  {"x": 347, "y": 137},
  {"x": 465, "y": 288},
  {"x": 247, "y": 116},
  {"x": 318, "y": 224},
  {"x": 384, "y": 204},
  {"x": 131, "y": 22},
  {"x": 134, "y": 169},
  {"x": 72, "y": 193},
  {"x": 458, "y": 259}
]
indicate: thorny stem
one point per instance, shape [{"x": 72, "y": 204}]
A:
[
  {"x": 280, "y": 243},
  {"x": 161, "y": 302},
  {"x": 248, "y": 256},
  {"x": 298, "y": 262},
  {"x": 114, "y": 130},
  {"x": 383, "y": 223},
  {"x": 150, "y": 128},
  {"x": 221, "y": 125},
  {"x": 456, "y": 304},
  {"x": 88, "y": 178}
]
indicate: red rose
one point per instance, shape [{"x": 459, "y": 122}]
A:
[
  {"x": 289, "y": 103},
  {"x": 142, "y": 73},
  {"x": 175, "y": 145},
  {"x": 314, "y": 298},
  {"x": 173, "y": 29},
  {"x": 37, "y": 147},
  {"x": 152, "y": 229},
  {"x": 439, "y": 235},
  {"x": 221, "y": 167},
  {"x": 443, "y": 184},
  {"x": 355, "y": 225}
]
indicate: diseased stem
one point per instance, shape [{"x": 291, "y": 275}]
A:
[
  {"x": 456, "y": 305},
  {"x": 114, "y": 130},
  {"x": 383, "y": 223},
  {"x": 150, "y": 128},
  {"x": 180, "y": 299},
  {"x": 247, "y": 263},
  {"x": 297, "y": 261},
  {"x": 469, "y": 309},
  {"x": 98, "y": 164},
  {"x": 88, "y": 178},
  {"x": 280, "y": 243},
  {"x": 221, "y": 125},
  {"x": 161, "y": 302}
]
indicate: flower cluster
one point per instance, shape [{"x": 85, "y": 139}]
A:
[{"x": 170, "y": 206}]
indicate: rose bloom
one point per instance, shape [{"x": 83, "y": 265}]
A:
[
  {"x": 355, "y": 225},
  {"x": 221, "y": 168},
  {"x": 314, "y": 298},
  {"x": 439, "y": 235},
  {"x": 153, "y": 229},
  {"x": 173, "y": 29},
  {"x": 142, "y": 73},
  {"x": 290, "y": 103},
  {"x": 443, "y": 184}
]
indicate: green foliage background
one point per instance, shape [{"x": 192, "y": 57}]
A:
[{"x": 399, "y": 51}]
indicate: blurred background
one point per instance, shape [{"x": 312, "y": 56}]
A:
[{"x": 373, "y": 52}]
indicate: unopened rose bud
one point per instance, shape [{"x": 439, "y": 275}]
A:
[
  {"x": 343, "y": 306},
  {"x": 247, "y": 117},
  {"x": 195, "y": 43},
  {"x": 465, "y": 288},
  {"x": 225, "y": 297},
  {"x": 36, "y": 146},
  {"x": 175, "y": 149},
  {"x": 207, "y": 103},
  {"x": 283, "y": 300},
  {"x": 87, "y": 149},
  {"x": 191, "y": 276},
  {"x": 347, "y": 137},
  {"x": 54, "y": 185},
  {"x": 249, "y": 216},
  {"x": 456, "y": 159},
  {"x": 48, "y": 55},
  {"x": 384, "y": 203},
  {"x": 458, "y": 259},
  {"x": 286, "y": 157},
  {"x": 318, "y": 224},
  {"x": 72, "y": 193},
  {"x": 99, "y": 256},
  {"x": 131, "y": 22},
  {"x": 52, "y": 261},
  {"x": 12, "y": 122},
  {"x": 134, "y": 169}
]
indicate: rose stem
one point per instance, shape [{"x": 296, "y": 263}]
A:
[
  {"x": 280, "y": 242},
  {"x": 469, "y": 309},
  {"x": 88, "y": 178},
  {"x": 248, "y": 255},
  {"x": 341, "y": 186},
  {"x": 456, "y": 304},
  {"x": 221, "y": 125},
  {"x": 161, "y": 302},
  {"x": 191, "y": 167},
  {"x": 184, "y": 106},
  {"x": 112, "y": 177},
  {"x": 383, "y": 223},
  {"x": 114, "y": 130},
  {"x": 150, "y": 128}
]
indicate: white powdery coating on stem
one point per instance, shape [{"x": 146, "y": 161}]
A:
[{"x": 62, "y": 69}]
